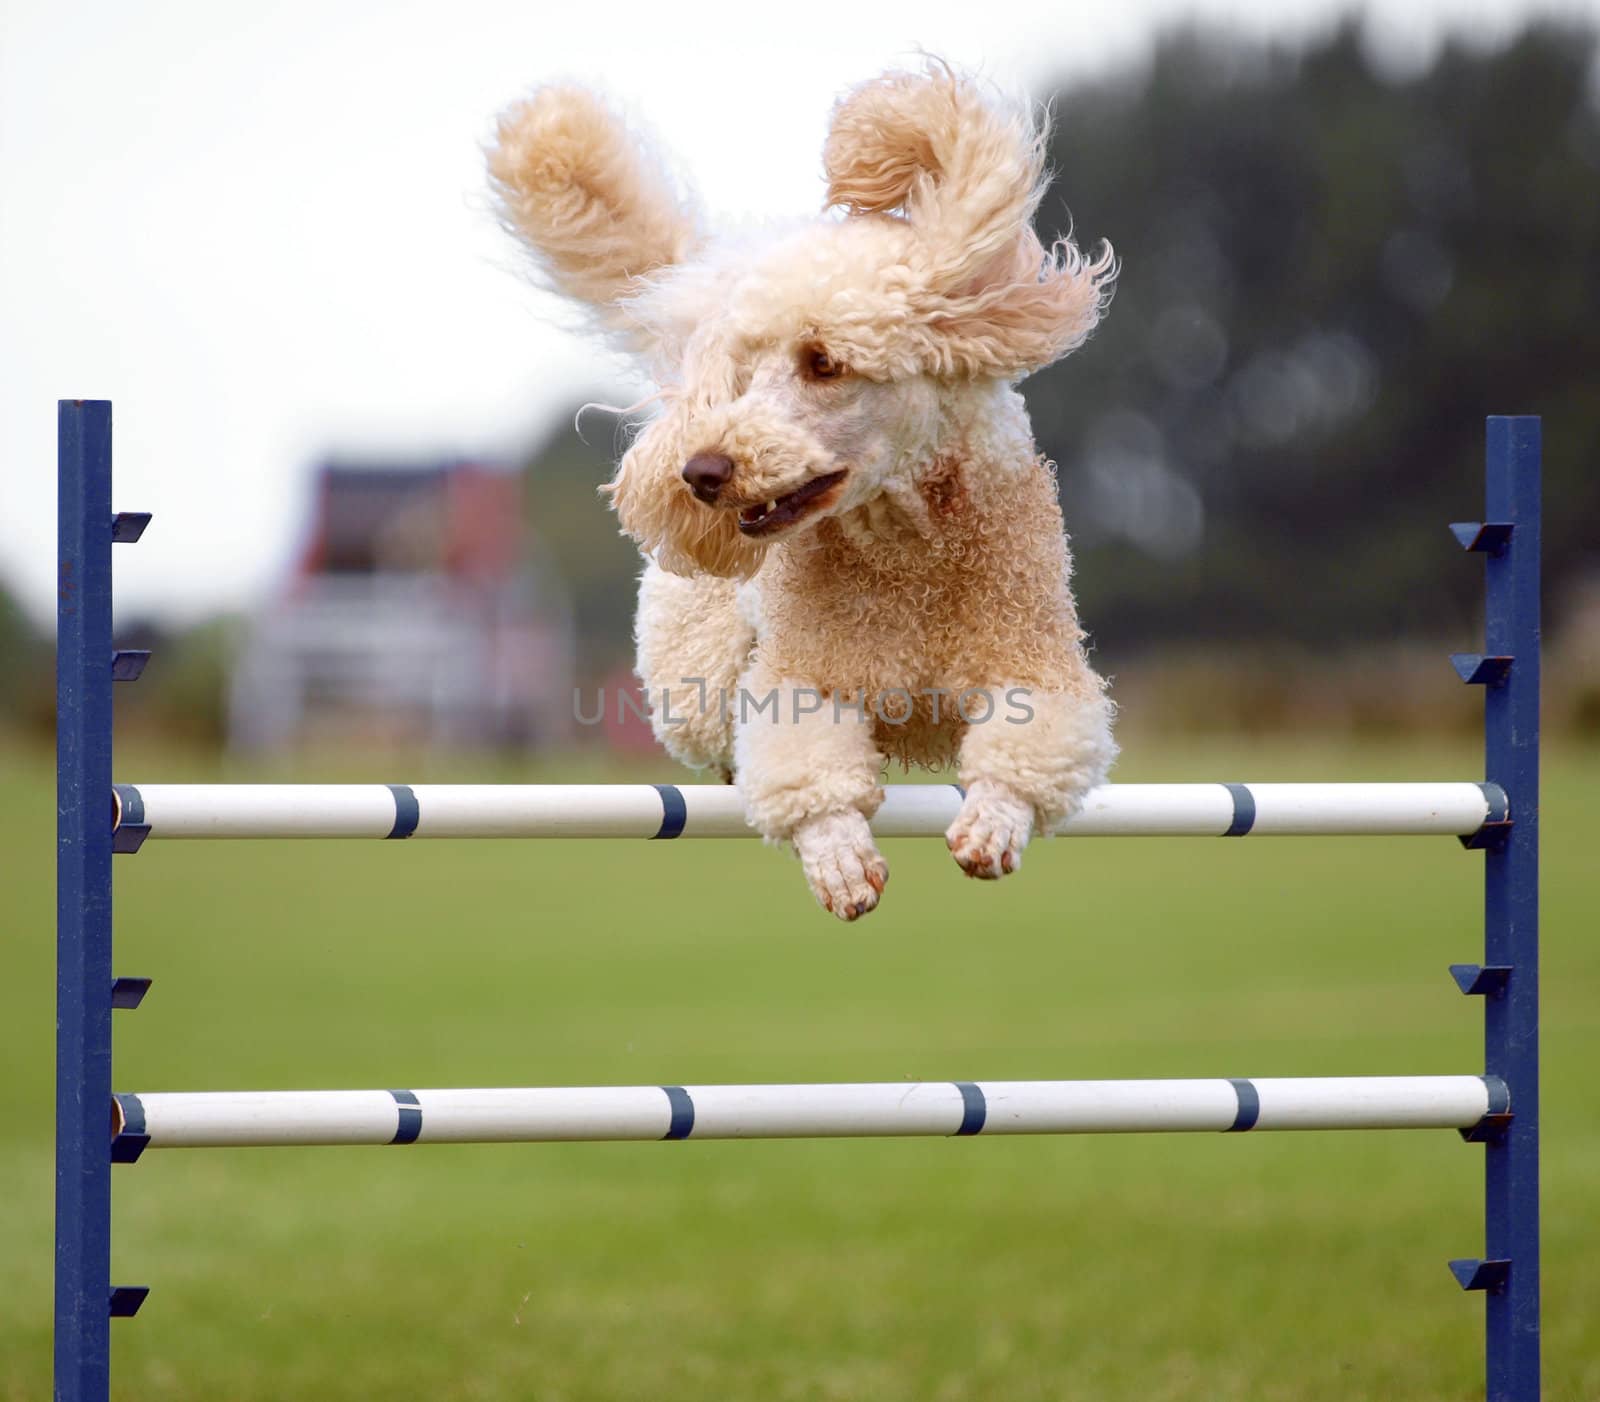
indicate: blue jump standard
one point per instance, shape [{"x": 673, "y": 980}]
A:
[
  {"x": 1510, "y": 546},
  {"x": 87, "y": 990}
]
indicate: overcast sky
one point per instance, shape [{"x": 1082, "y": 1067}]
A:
[{"x": 261, "y": 229}]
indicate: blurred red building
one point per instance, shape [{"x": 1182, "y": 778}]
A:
[{"x": 416, "y": 613}]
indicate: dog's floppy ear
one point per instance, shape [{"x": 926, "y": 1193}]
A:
[
  {"x": 966, "y": 173},
  {"x": 585, "y": 194}
]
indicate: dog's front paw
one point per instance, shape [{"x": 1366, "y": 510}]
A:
[
  {"x": 846, "y": 871},
  {"x": 990, "y": 831}
]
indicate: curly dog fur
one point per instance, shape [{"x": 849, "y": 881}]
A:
[{"x": 851, "y": 543}]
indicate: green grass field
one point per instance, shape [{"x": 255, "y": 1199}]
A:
[{"x": 1278, "y": 1268}]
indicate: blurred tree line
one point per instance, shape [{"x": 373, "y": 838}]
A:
[{"x": 1329, "y": 278}]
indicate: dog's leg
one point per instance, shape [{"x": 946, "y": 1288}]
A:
[
  {"x": 693, "y": 642},
  {"x": 1025, "y": 768},
  {"x": 810, "y": 774}
]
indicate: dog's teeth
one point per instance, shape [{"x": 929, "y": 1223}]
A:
[{"x": 771, "y": 507}]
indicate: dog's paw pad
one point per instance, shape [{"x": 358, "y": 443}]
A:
[
  {"x": 845, "y": 870},
  {"x": 990, "y": 831}
]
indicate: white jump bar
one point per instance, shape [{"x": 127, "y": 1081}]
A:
[
  {"x": 216, "y": 1119},
  {"x": 714, "y": 810}
]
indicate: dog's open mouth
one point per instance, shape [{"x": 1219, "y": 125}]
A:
[{"x": 765, "y": 517}]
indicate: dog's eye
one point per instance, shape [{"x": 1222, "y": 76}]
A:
[{"x": 819, "y": 365}]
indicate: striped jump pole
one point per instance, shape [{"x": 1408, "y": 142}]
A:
[
  {"x": 141, "y": 811},
  {"x": 219, "y": 1119}
]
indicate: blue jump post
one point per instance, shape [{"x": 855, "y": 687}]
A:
[
  {"x": 85, "y": 989},
  {"x": 1508, "y": 538},
  {"x": 1511, "y": 908}
]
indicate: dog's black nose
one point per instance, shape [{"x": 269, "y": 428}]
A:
[{"x": 707, "y": 474}]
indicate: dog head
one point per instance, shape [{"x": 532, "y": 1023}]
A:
[{"x": 806, "y": 373}]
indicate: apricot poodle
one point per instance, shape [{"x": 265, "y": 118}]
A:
[{"x": 853, "y": 550}]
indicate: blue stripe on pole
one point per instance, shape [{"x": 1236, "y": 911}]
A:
[
  {"x": 132, "y": 1113},
  {"x": 1249, "y": 1105},
  {"x": 1244, "y": 810},
  {"x": 407, "y": 813},
  {"x": 682, "y": 1111},
  {"x": 1499, "y": 803},
  {"x": 130, "y": 1141},
  {"x": 674, "y": 812},
  {"x": 1499, "y": 1096},
  {"x": 131, "y": 801},
  {"x": 410, "y": 1117},
  {"x": 975, "y": 1108}
]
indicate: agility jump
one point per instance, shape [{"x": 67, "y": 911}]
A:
[{"x": 1498, "y": 1108}]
